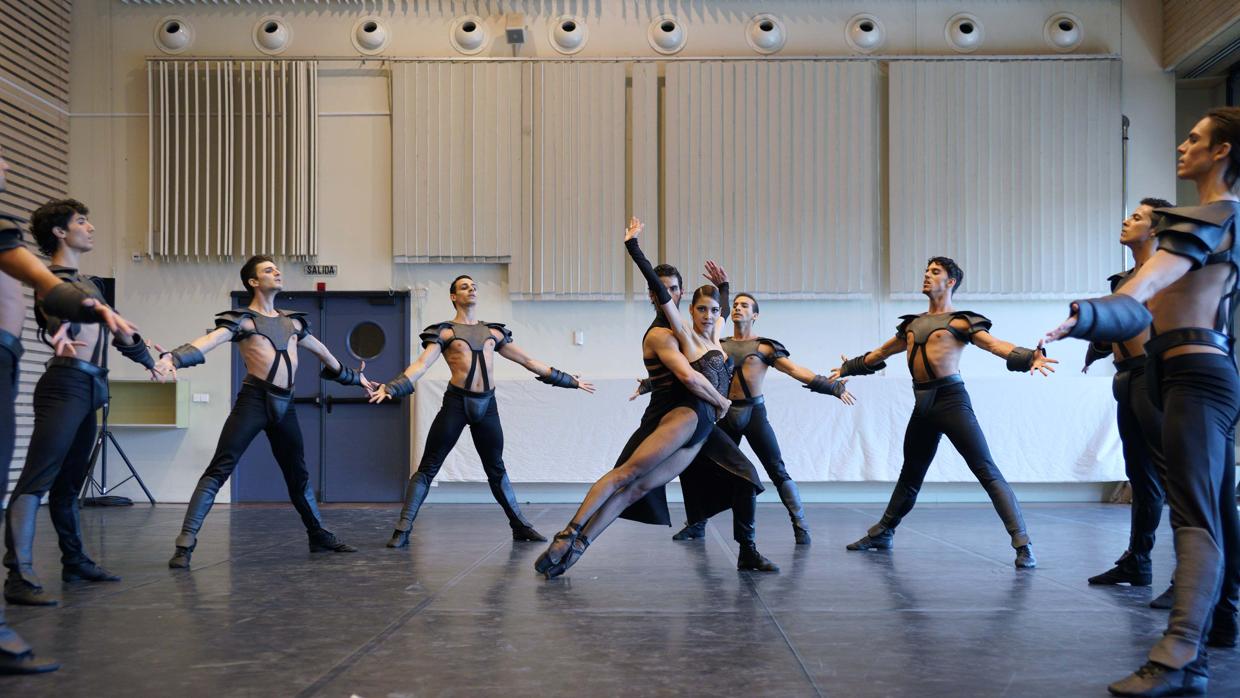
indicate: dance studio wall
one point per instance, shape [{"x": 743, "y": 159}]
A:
[{"x": 174, "y": 301}]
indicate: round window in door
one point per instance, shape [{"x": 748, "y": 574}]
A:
[{"x": 367, "y": 340}]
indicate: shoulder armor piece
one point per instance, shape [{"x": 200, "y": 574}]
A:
[
  {"x": 231, "y": 321},
  {"x": 778, "y": 351},
  {"x": 300, "y": 317},
  {"x": 10, "y": 232},
  {"x": 430, "y": 335},
  {"x": 505, "y": 333},
  {"x": 1194, "y": 232}
]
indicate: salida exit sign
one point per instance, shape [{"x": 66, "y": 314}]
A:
[{"x": 320, "y": 270}]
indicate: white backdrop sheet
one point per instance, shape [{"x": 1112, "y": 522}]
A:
[{"x": 1039, "y": 429}]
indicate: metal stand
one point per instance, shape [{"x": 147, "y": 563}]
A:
[{"x": 100, "y": 455}]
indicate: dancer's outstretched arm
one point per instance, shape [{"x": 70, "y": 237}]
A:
[
  {"x": 194, "y": 353},
  {"x": 1018, "y": 358},
  {"x": 816, "y": 383},
  {"x": 403, "y": 383},
  {"x": 870, "y": 362},
  {"x": 1123, "y": 315},
  {"x": 333, "y": 370},
  {"x": 545, "y": 373},
  {"x": 73, "y": 305},
  {"x": 667, "y": 306}
]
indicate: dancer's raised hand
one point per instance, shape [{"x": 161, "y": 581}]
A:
[
  {"x": 634, "y": 228},
  {"x": 715, "y": 273}
]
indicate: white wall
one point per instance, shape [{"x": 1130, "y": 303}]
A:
[{"x": 174, "y": 302}]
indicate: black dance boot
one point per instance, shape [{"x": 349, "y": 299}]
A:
[
  {"x": 416, "y": 490},
  {"x": 1024, "y": 557},
  {"x": 324, "y": 541},
  {"x": 86, "y": 571},
  {"x": 1198, "y": 574},
  {"x": 751, "y": 560},
  {"x": 877, "y": 538},
  {"x": 1130, "y": 568},
  {"x": 526, "y": 533},
  {"x": 399, "y": 539},
  {"x": 1222, "y": 629},
  {"x": 791, "y": 497},
  {"x": 575, "y": 550},
  {"x": 180, "y": 558},
  {"x": 561, "y": 543},
  {"x": 1164, "y": 600},
  {"x": 16, "y": 655},
  {"x": 23, "y": 586},
  {"x": 691, "y": 531}
]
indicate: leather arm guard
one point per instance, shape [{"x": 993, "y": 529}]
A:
[
  {"x": 558, "y": 379},
  {"x": 826, "y": 386},
  {"x": 644, "y": 386},
  {"x": 1112, "y": 318},
  {"x": 186, "y": 355},
  {"x": 65, "y": 302},
  {"x": 856, "y": 367},
  {"x": 1020, "y": 359},
  {"x": 136, "y": 352},
  {"x": 1096, "y": 352},
  {"x": 345, "y": 376},
  {"x": 399, "y": 386}
]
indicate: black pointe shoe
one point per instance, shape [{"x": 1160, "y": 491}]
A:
[
  {"x": 528, "y": 534},
  {"x": 561, "y": 543},
  {"x": 1164, "y": 600},
  {"x": 880, "y": 541},
  {"x": 180, "y": 559},
  {"x": 399, "y": 539},
  {"x": 87, "y": 571},
  {"x": 26, "y": 663},
  {"x": 1128, "y": 569},
  {"x": 324, "y": 541},
  {"x": 575, "y": 551},
  {"x": 1223, "y": 629},
  {"x": 1025, "y": 559},
  {"x": 751, "y": 560},
  {"x": 1154, "y": 679},
  {"x": 691, "y": 531},
  {"x": 20, "y": 592}
]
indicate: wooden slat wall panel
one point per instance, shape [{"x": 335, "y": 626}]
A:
[
  {"x": 456, "y": 161},
  {"x": 233, "y": 150},
  {"x": 1013, "y": 169},
  {"x": 34, "y": 35},
  {"x": 1190, "y": 24},
  {"x": 644, "y": 169},
  {"x": 34, "y": 136},
  {"x": 574, "y": 246},
  {"x": 771, "y": 169}
]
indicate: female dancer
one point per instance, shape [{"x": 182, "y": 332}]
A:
[{"x": 688, "y": 372}]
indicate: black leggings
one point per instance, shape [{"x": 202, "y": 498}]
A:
[
  {"x": 948, "y": 411},
  {"x": 10, "y": 353},
  {"x": 1140, "y": 432},
  {"x": 249, "y": 416},
  {"x": 58, "y": 457},
  {"x": 462, "y": 408},
  {"x": 757, "y": 429}
]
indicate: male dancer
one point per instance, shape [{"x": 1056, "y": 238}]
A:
[
  {"x": 1139, "y": 420},
  {"x": 1191, "y": 284},
  {"x": 65, "y": 400},
  {"x": 268, "y": 339},
  {"x": 942, "y": 406},
  {"x": 64, "y": 300},
  {"x": 469, "y": 346},
  {"x": 752, "y": 356}
]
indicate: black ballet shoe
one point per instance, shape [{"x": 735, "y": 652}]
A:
[
  {"x": 575, "y": 551},
  {"x": 1154, "y": 679},
  {"x": 324, "y": 541},
  {"x": 180, "y": 559},
  {"x": 691, "y": 531},
  {"x": 752, "y": 561},
  {"x": 561, "y": 543},
  {"x": 1129, "y": 569},
  {"x": 87, "y": 571},
  {"x": 20, "y": 592},
  {"x": 801, "y": 533},
  {"x": 1223, "y": 629},
  {"x": 881, "y": 541},
  {"x": 1025, "y": 559},
  {"x": 399, "y": 539},
  {"x": 26, "y": 663},
  {"x": 528, "y": 534},
  {"x": 1165, "y": 600}
]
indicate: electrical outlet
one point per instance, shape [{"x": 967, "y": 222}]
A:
[
  {"x": 579, "y": 337},
  {"x": 202, "y": 397}
]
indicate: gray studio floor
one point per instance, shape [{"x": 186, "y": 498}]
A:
[{"x": 462, "y": 613}]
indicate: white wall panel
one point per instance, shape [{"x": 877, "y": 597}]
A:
[
  {"x": 1013, "y": 169},
  {"x": 772, "y": 169}
]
